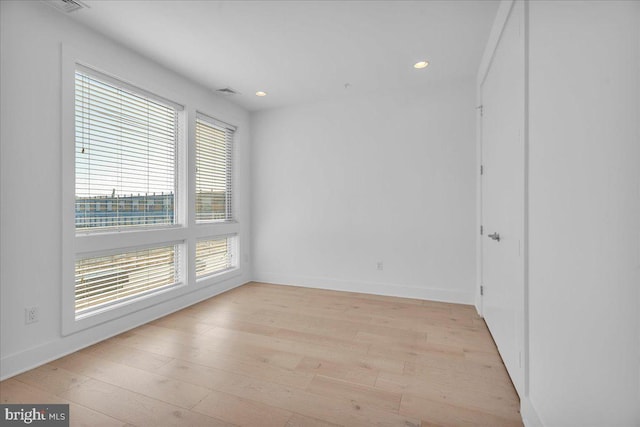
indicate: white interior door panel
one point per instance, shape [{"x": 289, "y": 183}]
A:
[{"x": 503, "y": 92}]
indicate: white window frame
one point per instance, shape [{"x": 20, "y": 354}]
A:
[
  {"x": 217, "y": 228},
  {"x": 184, "y": 232}
]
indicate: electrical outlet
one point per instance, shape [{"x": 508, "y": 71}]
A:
[
  {"x": 380, "y": 265},
  {"x": 31, "y": 315}
]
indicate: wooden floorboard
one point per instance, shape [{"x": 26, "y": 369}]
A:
[{"x": 267, "y": 355}]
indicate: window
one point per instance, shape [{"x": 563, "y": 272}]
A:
[
  {"x": 104, "y": 279},
  {"x": 147, "y": 210},
  {"x": 214, "y": 147},
  {"x": 215, "y": 255},
  {"x": 125, "y": 151},
  {"x": 125, "y": 145}
]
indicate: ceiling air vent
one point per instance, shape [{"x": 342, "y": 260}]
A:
[
  {"x": 66, "y": 6},
  {"x": 227, "y": 91}
]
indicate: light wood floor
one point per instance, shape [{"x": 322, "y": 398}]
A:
[{"x": 266, "y": 355}]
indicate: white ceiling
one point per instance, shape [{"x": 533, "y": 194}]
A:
[{"x": 301, "y": 51}]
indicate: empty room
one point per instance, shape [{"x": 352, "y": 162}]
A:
[{"x": 320, "y": 213}]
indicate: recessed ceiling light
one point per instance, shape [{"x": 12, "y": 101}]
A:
[
  {"x": 421, "y": 64},
  {"x": 261, "y": 93}
]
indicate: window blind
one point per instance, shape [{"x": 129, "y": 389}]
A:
[
  {"x": 125, "y": 155},
  {"x": 215, "y": 255},
  {"x": 214, "y": 147},
  {"x": 106, "y": 279}
]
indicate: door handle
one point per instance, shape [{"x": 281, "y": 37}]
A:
[{"x": 495, "y": 236}]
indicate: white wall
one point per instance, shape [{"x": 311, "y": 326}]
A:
[
  {"x": 338, "y": 186},
  {"x": 30, "y": 179},
  {"x": 584, "y": 212}
]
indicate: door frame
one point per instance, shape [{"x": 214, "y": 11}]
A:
[{"x": 502, "y": 16}]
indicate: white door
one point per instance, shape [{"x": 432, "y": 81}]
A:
[{"x": 503, "y": 196}]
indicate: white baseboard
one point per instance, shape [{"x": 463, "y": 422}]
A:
[
  {"x": 530, "y": 417},
  {"x": 394, "y": 290},
  {"x": 16, "y": 363}
]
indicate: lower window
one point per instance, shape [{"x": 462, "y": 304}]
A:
[
  {"x": 215, "y": 255},
  {"x": 109, "y": 279}
]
